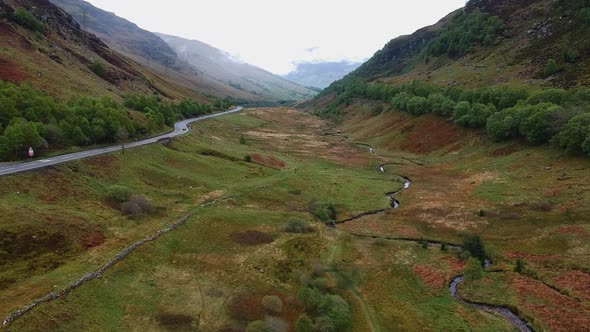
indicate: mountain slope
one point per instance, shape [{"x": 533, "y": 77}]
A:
[
  {"x": 531, "y": 33},
  {"x": 322, "y": 74},
  {"x": 57, "y": 57},
  {"x": 517, "y": 68},
  {"x": 147, "y": 49},
  {"x": 219, "y": 65}
]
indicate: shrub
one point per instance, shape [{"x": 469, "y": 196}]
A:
[
  {"x": 257, "y": 326},
  {"x": 303, "y": 324},
  {"x": 519, "y": 266},
  {"x": 248, "y": 158},
  {"x": 324, "y": 324},
  {"x": 272, "y": 304},
  {"x": 473, "y": 270},
  {"x": 119, "y": 194},
  {"x": 296, "y": 225},
  {"x": 324, "y": 212},
  {"x": 242, "y": 140},
  {"x": 97, "y": 68},
  {"x": 136, "y": 207},
  {"x": 27, "y": 20},
  {"x": 571, "y": 55},
  {"x": 551, "y": 68},
  {"x": 337, "y": 310}
]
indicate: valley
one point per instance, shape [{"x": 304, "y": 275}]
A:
[
  {"x": 152, "y": 182},
  {"x": 212, "y": 272}
]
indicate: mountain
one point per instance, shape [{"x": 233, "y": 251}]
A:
[
  {"x": 320, "y": 74},
  {"x": 147, "y": 49},
  {"x": 219, "y": 65},
  {"x": 217, "y": 76},
  {"x": 530, "y": 33},
  {"x": 50, "y": 51},
  {"x": 518, "y": 68}
]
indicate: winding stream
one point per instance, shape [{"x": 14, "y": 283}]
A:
[{"x": 506, "y": 313}]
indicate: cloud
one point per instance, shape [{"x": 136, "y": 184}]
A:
[{"x": 275, "y": 34}]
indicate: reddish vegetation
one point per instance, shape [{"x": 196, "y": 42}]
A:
[
  {"x": 251, "y": 238},
  {"x": 558, "y": 312},
  {"x": 530, "y": 257},
  {"x": 576, "y": 230},
  {"x": 456, "y": 265},
  {"x": 247, "y": 307},
  {"x": 429, "y": 134},
  {"x": 269, "y": 161},
  {"x": 91, "y": 240},
  {"x": 430, "y": 277},
  {"x": 10, "y": 72},
  {"x": 505, "y": 151},
  {"x": 576, "y": 281}
]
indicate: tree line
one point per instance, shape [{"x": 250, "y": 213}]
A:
[
  {"x": 31, "y": 118},
  {"x": 540, "y": 116}
]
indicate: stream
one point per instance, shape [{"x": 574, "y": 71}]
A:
[{"x": 506, "y": 313}]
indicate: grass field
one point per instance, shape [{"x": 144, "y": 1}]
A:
[{"x": 212, "y": 273}]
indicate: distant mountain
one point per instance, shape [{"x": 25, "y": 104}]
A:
[
  {"x": 321, "y": 74},
  {"x": 218, "y": 64},
  {"x": 246, "y": 82}
]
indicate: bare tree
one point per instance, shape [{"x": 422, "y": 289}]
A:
[{"x": 121, "y": 136}]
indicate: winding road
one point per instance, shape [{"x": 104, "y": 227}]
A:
[{"x": 180, "y": 128}]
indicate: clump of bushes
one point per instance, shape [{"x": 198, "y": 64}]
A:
[
  {"x": 272, "y": 304},
  {"x": 119, "y": 194},
  {"x": 474, "y": 246},
  {"x": 136, "y": 207},
  {"x": 324, "y": 212},
  {"x": 130, "y": 205},
  {"x": 24, "y": 18},
  {"x": 296, "y": 225},
  {"x": 97, "y": 68}
]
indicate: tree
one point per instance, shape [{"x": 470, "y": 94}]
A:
[
  {"x": 310, "y": 297},
  {"x": 337, "y": 310},
  {"x": 121, "y": 136},
  {"x": 473, "y": 270},
  {"x": 474, "y": 245},
  {"x": 575, "y": 132},
  {"x": 551, "y": 68},
  {"x": 540, "y": 126},
  {"x": 22, "y": 134},
  {"x": 303, "y": 324}
]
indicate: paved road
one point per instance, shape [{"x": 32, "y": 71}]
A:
[{"x": 180, "y": 128}]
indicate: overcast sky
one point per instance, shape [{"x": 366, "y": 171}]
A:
[{"x": 276, "y": 34}]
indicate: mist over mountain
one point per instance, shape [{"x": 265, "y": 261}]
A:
[
  {"x": 239, "y": 81},
  {"x": 219, "y": 65},
  {"x": 320, "y": 74}
]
